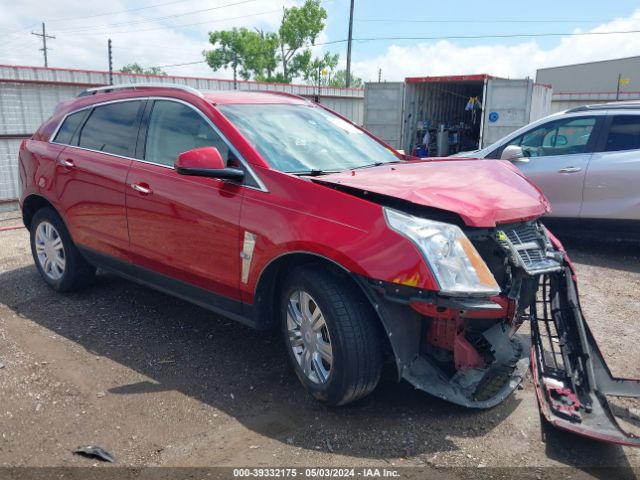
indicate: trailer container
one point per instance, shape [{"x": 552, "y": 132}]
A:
[{"x": 439, "y": 116}]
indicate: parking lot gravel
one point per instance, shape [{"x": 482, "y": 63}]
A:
[{"x": 159, "y": 382}]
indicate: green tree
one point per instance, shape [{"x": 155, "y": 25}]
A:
[
  {"x": 265, "y": 62},
  {"x": 233, "y": 49},
  {"x": 136, "y": 68},
  {"x": 298, "y": 31},
  {"x": 318, "y": 70},
  {"x": 338, "y": 79}
]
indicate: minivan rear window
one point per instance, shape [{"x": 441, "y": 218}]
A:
[{"x": 111, "y": 128}]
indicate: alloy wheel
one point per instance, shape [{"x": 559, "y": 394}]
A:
[
  {"x": 50, "y": 251},
  {"x": 309, "y": 337}
]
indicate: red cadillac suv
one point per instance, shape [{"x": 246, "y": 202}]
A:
[{"x": 279, "y": 213}]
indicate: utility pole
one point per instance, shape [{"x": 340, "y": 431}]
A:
[
  {"x": 110, "y": 62},
  {"x": 44, "y": 42},
  {"x": 235, "y": 69},
  {"x": 347, "y": 80},
  {"x": 618, "y": 87},
  {"x": 379, "y": 75}
]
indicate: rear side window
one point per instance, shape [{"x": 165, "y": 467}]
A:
[
  {"x": 175, "y": 128},
  {"x": 69, "y": 127},
  {"x": 111, "y": 128},
  {"x": 624, "y": 133}
]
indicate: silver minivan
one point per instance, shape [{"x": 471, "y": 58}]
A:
[{"x": 587, "y": 162}]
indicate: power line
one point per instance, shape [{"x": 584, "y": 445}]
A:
[
  {"x": 44, "y": 42},
  {"x": 149, "y": 20},
  {"x": 68, "y": 19},
  {"x": 455, "y": 37},
  {"x": 207, "y": 22},
  {"x": 389, "y": 20},
  {"x": 217, "y": 20},
  {"x": 473, "y": 37}
]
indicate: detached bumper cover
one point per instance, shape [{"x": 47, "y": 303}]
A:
[{"x": 574, "y": 386}]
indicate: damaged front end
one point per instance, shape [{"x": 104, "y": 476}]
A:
[{"x": 466, "y": 349}]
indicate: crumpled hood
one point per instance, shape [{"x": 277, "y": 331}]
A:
[{"x": 482, "y": 192}]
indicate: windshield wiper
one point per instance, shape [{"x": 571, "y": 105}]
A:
[
  {"x": 377, "y": 164},
  {"x": 314, "y": 172}
]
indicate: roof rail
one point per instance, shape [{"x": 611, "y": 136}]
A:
[
  {"x": 134, "y": 86},
  {"x": 624, "y": 105},
  {"x": 285, "y": 94}
]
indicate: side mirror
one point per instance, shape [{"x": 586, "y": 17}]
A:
[
  {"x": 559, "y": 140},
  {"x": 205, "y": 162},
  {"x": 513, "y": 153}
]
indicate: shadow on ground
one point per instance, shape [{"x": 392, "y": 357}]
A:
[{"x": 185, "y": 348}]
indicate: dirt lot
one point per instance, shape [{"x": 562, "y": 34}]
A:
[{"x": 157, "y": 381}]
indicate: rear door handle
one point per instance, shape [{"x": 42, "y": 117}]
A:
[
  {"x": 67, "y": 162},
  {"x": 569, "y": 170},
  {"x": 143, "y": 188}
]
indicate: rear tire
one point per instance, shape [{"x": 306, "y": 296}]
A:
[
  {"x": 331, "y": 335},
  {"x": 57, "y": 258}
]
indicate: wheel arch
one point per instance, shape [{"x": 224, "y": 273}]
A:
[
  {"x": 32, "y": 204},
  {"x": 274, "y": 273}
]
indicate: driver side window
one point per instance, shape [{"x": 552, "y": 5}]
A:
[
  {"x": 175, "y": 128},
  {"x": 562, "y": 137}
]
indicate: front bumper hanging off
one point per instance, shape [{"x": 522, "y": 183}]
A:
[{"x": 574, "y": 386}]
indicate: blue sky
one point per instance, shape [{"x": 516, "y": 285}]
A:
[
  {"x": 474, "y": 17},
  {"x": 165, "y": 32}
]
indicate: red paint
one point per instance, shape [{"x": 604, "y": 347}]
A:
[
  {"x": 205, "y": 157},
  {"x": 465, "y": 355},
  {"x": 191, "y": 228},
  {"x": 483, "y": 192},
  {"x": 447, "y": 332}
]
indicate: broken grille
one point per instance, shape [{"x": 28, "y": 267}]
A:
[
  {"x": 529, "y": 247},
  {"x": 544, "y": 328}
]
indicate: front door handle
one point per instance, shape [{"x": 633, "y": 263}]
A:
[
  {"x": 143, "y": 188},
  {"x": 67, "y": 162},
  {"x": 569, "y": 170}
]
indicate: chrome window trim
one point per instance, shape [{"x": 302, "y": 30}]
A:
[
  {"x": 55, "y": 132},
  {"x": 261, "y": 186}
]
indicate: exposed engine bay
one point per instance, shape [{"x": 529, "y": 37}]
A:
[{"x": 467, "y": 350}]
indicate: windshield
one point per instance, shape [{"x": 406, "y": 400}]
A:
[{"x": 305, "y": 139}]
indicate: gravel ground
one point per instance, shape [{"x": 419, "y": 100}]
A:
[{"x": 159, "y": 382}]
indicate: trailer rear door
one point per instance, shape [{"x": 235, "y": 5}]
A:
[
  {"x": 507, "y": 107},
  {"x": 383, "y": 106}
]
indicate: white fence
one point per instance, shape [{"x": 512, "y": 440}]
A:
[{"x": 28, "y": 96}]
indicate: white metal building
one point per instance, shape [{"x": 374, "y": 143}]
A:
[
  {"x": 28, "y": 96},
  {"x": 593, "y": 82}
]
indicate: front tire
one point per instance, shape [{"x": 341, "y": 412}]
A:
[
  {"x": 331, "y": 335},
  {"x": 57, "y": 258}
]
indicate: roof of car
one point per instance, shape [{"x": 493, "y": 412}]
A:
[
  {"x": 222, "y": 97},
  {"x": 218, "y": 97},
  {"x": 627, "y": 105}
]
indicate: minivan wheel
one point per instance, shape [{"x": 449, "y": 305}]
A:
[
  {"x": 58, "y": 260},
  {"x": 330, "y": 333}
]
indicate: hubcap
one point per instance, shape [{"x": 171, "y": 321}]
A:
[
  {"x": 50, "y": 251},
  {"x": 309, "y": 337}
]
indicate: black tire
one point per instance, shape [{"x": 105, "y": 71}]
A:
[
  {"x": 353, "y": 331},
  {"x": 77, "y": 273}
]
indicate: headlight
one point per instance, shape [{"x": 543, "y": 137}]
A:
[{"x": 453, "y": 259}]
